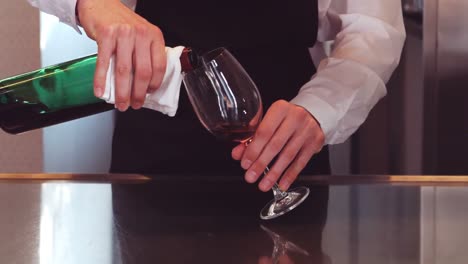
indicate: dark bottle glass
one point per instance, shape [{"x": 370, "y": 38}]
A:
[{"x": 56, "y": 94}]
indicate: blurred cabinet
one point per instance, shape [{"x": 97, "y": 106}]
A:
[{"x": 421, "y": 127}]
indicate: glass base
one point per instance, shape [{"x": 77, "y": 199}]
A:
[{"x": 276, "y": 208}]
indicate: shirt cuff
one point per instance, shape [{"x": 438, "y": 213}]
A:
[
  {"x": 340, "y": 97},
  {"x": 64, "y": 10},
  {"x": 70, "y": 15}
]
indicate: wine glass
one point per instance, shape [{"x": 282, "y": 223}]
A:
[{"x": 228, "y": 104}]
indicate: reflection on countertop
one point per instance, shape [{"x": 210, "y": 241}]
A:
[{"x": 179, "y": 219}]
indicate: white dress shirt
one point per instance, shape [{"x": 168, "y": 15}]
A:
[{"x": 368, "y": 37}]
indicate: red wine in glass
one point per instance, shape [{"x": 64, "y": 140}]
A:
[{"x": 234, "y": 133}]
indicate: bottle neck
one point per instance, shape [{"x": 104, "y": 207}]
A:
[{"x": 189, "y": 60}]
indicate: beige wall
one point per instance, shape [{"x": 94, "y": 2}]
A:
[{"x": 19, "y": 52}]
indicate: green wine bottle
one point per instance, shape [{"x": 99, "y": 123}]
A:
[{"x": 56, "y": 94}]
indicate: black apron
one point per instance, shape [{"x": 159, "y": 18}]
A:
[{"x": 269, "y": 38}]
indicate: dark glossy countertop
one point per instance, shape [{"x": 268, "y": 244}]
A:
[{"x": 73, "y": 218}]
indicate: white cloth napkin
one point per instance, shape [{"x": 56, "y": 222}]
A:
[{"x": 166, "y": 98}]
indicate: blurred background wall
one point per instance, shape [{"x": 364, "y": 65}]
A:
[{"x": 19, "y": 53}]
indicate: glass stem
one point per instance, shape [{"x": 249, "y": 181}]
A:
[{"x": 277, "y": 192}]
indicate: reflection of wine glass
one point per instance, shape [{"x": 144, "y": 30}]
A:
[
  {"x": 228, "y": 104},
  {"x": 281, "y": 246}
]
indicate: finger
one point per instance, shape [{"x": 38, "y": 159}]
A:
[
  {"x": 299, "y": 163},
  {"x": 286, "y": 156},
  {"x": 123, "y": 68},
  {"x": 143, "y": 70},
  {"x": 238, "y": 152},
  {"x": 285, "y": 259},
  {"x": 265, "y": 260},
  {"x": 271, "y": 150},
  {"x": 106, "y": 47},
  {"x": 158, "y": 61},
  {"x": 273, "y": 118},
  {"x": 309, "y": 141}
]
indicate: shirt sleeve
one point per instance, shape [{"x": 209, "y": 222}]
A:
[
  {"x": 368, "y": 40},
  {"x": 65, "y": 9}
]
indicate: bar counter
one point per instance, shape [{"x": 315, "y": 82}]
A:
[{"x": 119, "y": 218}]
